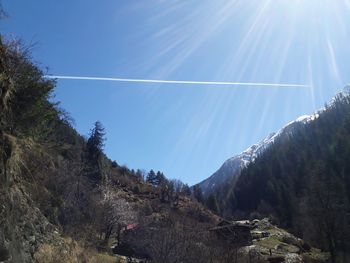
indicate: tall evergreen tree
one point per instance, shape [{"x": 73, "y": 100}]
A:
[
  {"x": 96, "y": 140},
  {"x": 151, "y": 177},
  {"x": 160, "y": 178}
]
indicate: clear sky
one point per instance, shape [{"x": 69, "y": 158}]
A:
[{"x": 186, "y": 131}]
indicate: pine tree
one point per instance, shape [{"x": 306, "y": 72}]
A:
[
  {"x": 96, "y": 140},
  {"x": 151, "y": 177},
  {"x": 159, "y": 179}
]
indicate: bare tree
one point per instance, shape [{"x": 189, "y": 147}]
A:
[{"x": 112, "y": 214}]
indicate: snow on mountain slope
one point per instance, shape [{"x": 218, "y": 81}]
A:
[{"x": 231, "y": 169}]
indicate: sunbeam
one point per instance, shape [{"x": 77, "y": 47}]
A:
[{"x": 209, "y": 78}]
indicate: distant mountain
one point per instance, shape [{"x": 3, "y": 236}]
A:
[
  {"x": 232, "y": 168},
  {"x": 300, "y": 177}
]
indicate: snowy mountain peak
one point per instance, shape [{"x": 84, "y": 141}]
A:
[{"x": 231, "y": 169}]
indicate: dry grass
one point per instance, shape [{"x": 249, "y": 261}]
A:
[
  {"x": 98, "y": 258},
  {"x": 70, "y": 252}
]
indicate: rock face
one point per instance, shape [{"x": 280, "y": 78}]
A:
[{"x": 23, "y": 228}]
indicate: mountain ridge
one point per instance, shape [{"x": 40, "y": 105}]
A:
[
  {"x": 231, "y": 168},
  {"x": 301, "y": 180}
]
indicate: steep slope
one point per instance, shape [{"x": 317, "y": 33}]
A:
[
  {"x": 231, "y": 169},
  {"x": 302, "y": 180},
  {"x": 61, "y": 198}
]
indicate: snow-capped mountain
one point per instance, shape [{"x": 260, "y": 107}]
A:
[
  {"x": 230, "y": 170},
  {"x": 233, "y": 166}
]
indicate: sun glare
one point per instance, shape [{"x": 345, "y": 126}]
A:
[{"x": 298, "y": 41}]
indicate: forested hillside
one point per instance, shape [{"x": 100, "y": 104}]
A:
[
  {"x": 302, "y": 181},
  {"x": 61, "y": 198}
]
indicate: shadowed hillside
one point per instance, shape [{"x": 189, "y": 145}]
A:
[{"x": 302, "y": 180}]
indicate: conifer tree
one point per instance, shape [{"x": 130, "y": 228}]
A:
[
  {"x": 96, "y": 140},
  {"x": 159, "y": 179},
  {"x": 151, "y": 177}
]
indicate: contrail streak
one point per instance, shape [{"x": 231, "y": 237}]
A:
[{"x": 180, "y": 81}]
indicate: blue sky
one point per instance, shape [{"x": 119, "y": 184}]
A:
[{"x": 186, "y": 131}]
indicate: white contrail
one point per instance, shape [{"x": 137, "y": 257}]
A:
[{"x": 180, "y": 81}]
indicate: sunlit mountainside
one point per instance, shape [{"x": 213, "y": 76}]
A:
[{"x": 116, "y": 152}]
